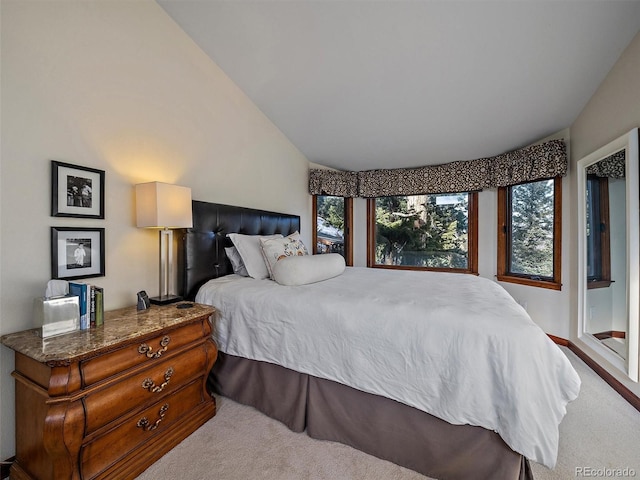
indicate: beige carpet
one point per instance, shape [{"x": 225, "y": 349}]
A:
[{"x": 601, "y": 430}]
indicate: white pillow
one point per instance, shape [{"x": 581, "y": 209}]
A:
[
  {"x": 249, "y": 249},
  {"x": 278, "y": 248},
  {"x": 236, "y": 261},
  {"x": 301, "y": 270}
]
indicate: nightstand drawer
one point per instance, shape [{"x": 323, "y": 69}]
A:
[
  {"x": 148, "y": 350},
  {"x": 113, "y": 402},
  {"x": 105, "y": 451}
]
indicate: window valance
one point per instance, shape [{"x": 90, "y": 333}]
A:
[
  {"x": 612, "y": 166},
  {"x": 449, "y": 177},
  {"x": 545, "y": 160},
  {"x": 333, "y": 182}
]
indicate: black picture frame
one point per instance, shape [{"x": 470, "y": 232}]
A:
[
  {"x": 76, "y": 191},
  {"x": 77, "y": 253}
]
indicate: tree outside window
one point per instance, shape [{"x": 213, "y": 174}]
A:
[
  {"x": 430, "y": 232},
  {"x": 529, "y": 233}
]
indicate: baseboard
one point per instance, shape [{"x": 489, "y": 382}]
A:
[
  {"x": 610, "y": 334},
  {"x": 5, "y": 466},
  {"x": 558, "y": 340},
  {"x": 614, "y": 383}
]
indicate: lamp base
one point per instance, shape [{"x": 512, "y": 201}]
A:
[{"x": 165, "y": 299}]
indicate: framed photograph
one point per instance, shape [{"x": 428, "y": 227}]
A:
[
  {"x": 77, "y": 252},
  {"x": 76, "y": 191}
]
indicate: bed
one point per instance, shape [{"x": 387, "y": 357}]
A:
[{"x": 306, "y": 369}]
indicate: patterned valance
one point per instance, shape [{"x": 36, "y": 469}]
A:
[
  {"x": 546, "y": 160},
  {"x": 612, "y": 166},
  {"x": 333, "y": 182},
  {"x": 449, "y": 177}
]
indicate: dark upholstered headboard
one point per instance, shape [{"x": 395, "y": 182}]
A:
[{"x": 201, "y": 254}]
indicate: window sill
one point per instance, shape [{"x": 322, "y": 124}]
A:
[
  {"x": 599, "y": 284},
  {"x": 551, "y": 285},
  {"x": 423, "y": 269}
]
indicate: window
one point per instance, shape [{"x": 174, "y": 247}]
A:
[
  {"x": 333, "y": 226},
  {"x": 424, "y": 232},
  {"x": 529, "y": 233},
  {"x": 598, "y": 241}
]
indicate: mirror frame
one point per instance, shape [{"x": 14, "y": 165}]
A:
[{"x": 629, "y": 143}]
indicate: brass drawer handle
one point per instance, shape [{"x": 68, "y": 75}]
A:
[
  {"x": 145, "y": 349},
  {"x": 150, "y": 385},
  {"x": 144, "y": 424}
]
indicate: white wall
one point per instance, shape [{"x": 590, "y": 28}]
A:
[{"x": 117, "y": 85}]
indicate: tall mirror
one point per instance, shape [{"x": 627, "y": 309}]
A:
[{"x": 608, "y": 209}]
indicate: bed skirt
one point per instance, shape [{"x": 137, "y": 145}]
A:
[{"x": 375, "y": 425}]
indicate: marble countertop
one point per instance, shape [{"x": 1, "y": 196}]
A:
[{"x": 119, "y": 325}]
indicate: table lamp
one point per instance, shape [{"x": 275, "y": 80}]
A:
[{"x": 164, "y": 206}]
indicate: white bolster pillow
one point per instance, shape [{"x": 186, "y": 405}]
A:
[{"x": 304, "y": 269}]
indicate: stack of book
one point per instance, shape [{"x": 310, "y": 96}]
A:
[{"x": 91, "y": 304}]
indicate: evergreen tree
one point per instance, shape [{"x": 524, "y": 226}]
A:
[
  {"x": 532, "y": 228},
  {"x": 331, "y": 209},
  {"x": 422, "y": 232}
]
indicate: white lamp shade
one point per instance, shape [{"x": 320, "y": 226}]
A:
[{"x": 162, "y": 205}]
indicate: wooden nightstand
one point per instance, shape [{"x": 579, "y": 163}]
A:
[{"x": 109, "y": 401}]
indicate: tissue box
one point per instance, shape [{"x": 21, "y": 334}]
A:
[{"x": 58, "y": 315}]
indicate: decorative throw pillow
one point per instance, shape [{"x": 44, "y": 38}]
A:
[
  {"x": 236, "y": 261},
  {"x": 249, "y": 249},
  {"x": 308, "y": 269},
  {"x": 276, "y": 249}
]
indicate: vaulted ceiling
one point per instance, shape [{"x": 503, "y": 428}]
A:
[{"x": 382, "y": 84}]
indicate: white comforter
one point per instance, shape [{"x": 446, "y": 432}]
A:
[{"x": 453, "y": 345}]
